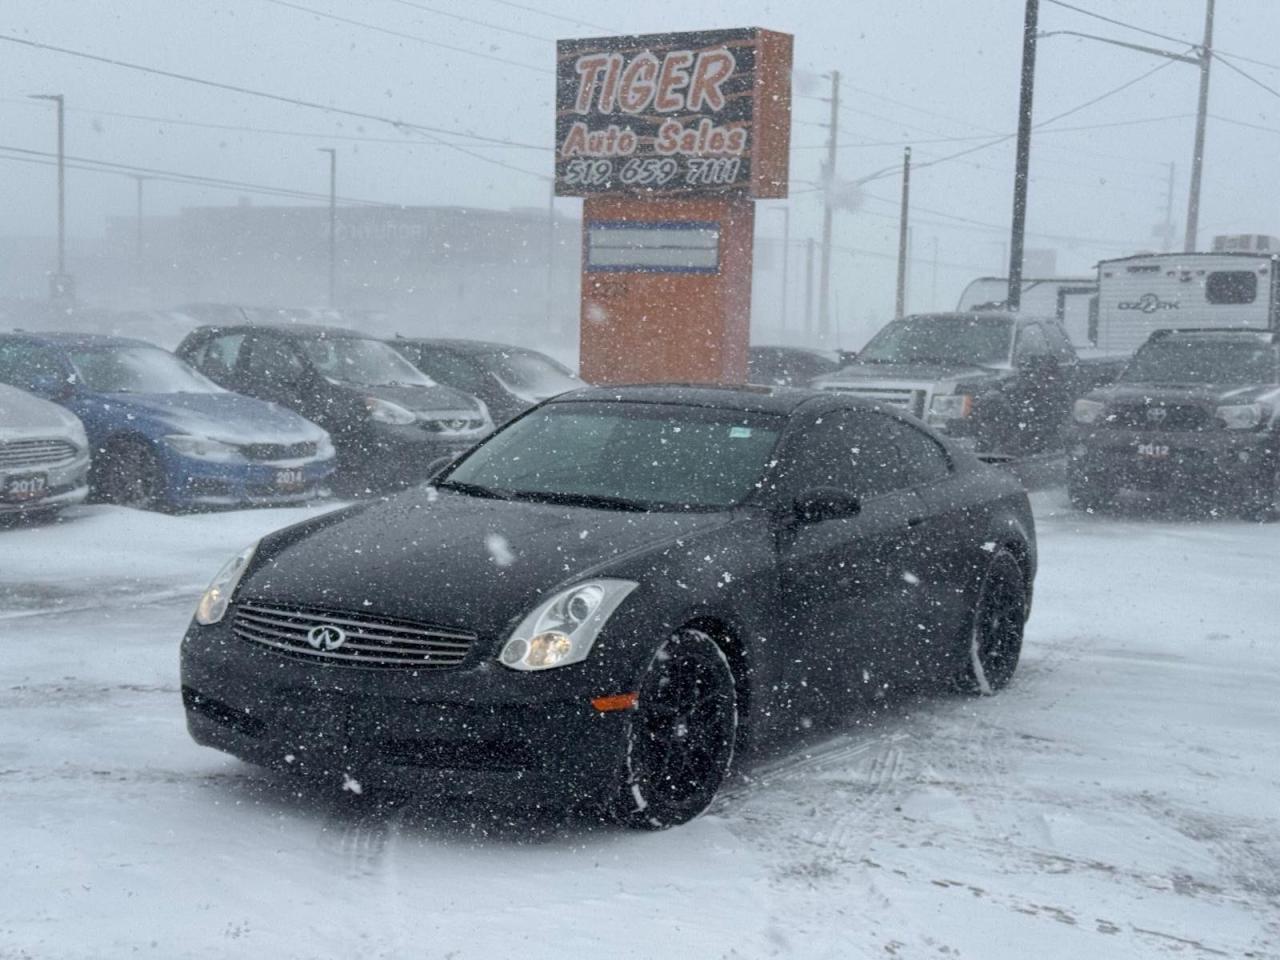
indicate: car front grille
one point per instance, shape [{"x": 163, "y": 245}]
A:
[
  {"x": 366, "y": 641},
  {"x": 17, "y": 454},
  {"x": 278, "y": 451},
  {"x": 904, "y": 398},
  {"x": 1177, "y": 417}
]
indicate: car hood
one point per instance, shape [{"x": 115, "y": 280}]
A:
[
  {"x": 452, "y": 560},
  {"x": 230, "y": 417},
  {"x": 436, "y": 402},
  {"x": 1200, "y": 393},
  {"x": 23, "y": 415},
  {"x": 903, "y": 372}
]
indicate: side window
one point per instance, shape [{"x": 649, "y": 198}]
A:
[
  {"x": 923, "y": 459},
  {"x": 1032, "y": 342},
  {"x": 273, "y": 360},
  {"x": 855, "y": 451},
  {"x": 217, "y": 358},
  {"x": 448, "y": 368},
  {"x": 1060, "y": 343},
  {"x": 26, "y": 364},
  {"x": 1231, "y": 286}
]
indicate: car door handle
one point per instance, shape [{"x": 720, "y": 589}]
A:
[{"x": 914, "y": 521}]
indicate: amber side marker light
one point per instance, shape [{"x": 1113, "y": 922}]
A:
[{"x": 617, "y": 701}]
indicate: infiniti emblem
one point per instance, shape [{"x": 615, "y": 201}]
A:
[{"x": 326, "y": 637}]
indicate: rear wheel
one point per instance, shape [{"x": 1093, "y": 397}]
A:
[
  {"x": 128, "y": 474},
  {"x": 680, "y": 738},
  {"x": 995, "y": 636}
]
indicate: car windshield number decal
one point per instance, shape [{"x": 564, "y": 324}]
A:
[
  {"x": 1153, "y": 451},
  {"x": 28, "y": 486}
]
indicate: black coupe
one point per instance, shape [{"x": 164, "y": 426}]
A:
[{"x": 604, "y": 601}]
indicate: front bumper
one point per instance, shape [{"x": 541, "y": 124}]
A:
[
  {"x": 194, "y": 482},
  {"x": 67, "y": 484},
  {"x": 389, "y": 455},
  {"x": 1190, "y": 463},
  {"x": 478, "y": 730}
]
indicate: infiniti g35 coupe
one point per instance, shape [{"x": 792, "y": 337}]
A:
[{"x": 604, "y": 601}]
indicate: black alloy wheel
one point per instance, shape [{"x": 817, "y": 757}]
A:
[
  {"x": 1089, "y": 496},
  {"x": 1265, "y": 506},
  {"x": 680, "y": 738},
  {"x": 995, "y": 636},
  {"x": 128, "y": 475}
]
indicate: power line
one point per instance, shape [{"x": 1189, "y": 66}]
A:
[
  {"x": 94, "y": 165},
  {"x": 1248, "y": 76},
  {"x": 554, "y": 16},
  {"x": 407, "y": 36},
  {"x": 424, "y": 129},
  {"x": 1121, "y": 23},
  {"x": 482, "y": 23}
]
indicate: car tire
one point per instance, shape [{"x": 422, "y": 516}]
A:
[
  {"x": 1089, "y": 496},
  {"x": 127, "y": 473},
  {"x": 995, "y": 633},
  {"x": 1265, "y": 505},
  {"x": 680, "y": 737}
]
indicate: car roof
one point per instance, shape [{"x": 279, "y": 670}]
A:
[
  {"x": 979, "y": 315},
  {"x": 1217, "y": 333},
  {"x": 748, "y": 398},
  {"x": 465, "y": 346},
  {"x": 285, "y": 329},
  {"x": 91, "y": 341}
]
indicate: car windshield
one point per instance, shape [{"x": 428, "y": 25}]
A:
[
  {"x": 1196, "y": 360},
  {"x": 367, "y": 362},
  {"x": 534, "y": 374},
  {"x": 971, "y": 341},
  {"x": 644, "y": 456},
  {"x": 138, "y": 370}
]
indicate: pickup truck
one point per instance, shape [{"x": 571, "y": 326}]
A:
[{"x": 997, "y": 382}]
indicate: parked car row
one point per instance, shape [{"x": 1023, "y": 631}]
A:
[{"x": 246, "y": 414}]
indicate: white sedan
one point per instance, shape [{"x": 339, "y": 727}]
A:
[{"x": 44, "y": 455}]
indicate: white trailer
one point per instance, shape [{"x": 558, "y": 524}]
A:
[
  {"x": 1140, "y": 294},
  {"x": 1069, "y": 300}
]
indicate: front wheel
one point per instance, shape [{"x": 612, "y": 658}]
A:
[
  {"x": 128, "y": 474},
  {"x": 995, "y": 637},
  {"x": 1265, "y": 505},
  {"x": 680, "y": 738}
]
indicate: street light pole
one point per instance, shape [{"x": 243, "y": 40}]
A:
[
  {"x": 1202, "y": 112},
  {"x": 58, "y": 287},
  {"x": 786, "y": 260},
  {"x": 333, "y": 221},
  {"x": 137, "y": 238},
  {"x": 1018, "y": 231},
  {"x": 900, "y": 301}
]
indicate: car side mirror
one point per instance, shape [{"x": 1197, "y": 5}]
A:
[
  {"x": 52, "y": 388},
  {"x": 826, "y": 503}
]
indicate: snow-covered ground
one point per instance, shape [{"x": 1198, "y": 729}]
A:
[{"x": 1119, "y": 800}]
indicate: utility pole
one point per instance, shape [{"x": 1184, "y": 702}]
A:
[
  {"x": 828, "y": 179},
  {"x": 1017, "y": 235},
  {"x": 808, "y": 286},
  {"x": 900, "y": 301},
  {"x": 551, "y": 253},
  {"x": 1202, "y": 112},
  {"x": 1166, "y": 243},
  {"x": 933, "y": 289},
  {"x": 60, "y": 285},
  {"x": 786, "y": 261},
  {"x": 333, "y": 222},
  {"x": 137, "y": 238}
]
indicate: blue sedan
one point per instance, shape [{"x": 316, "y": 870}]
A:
[{"x": 164, "y": 436}]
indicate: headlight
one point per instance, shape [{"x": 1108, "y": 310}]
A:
[
  {"x": 955, "y": 406},
  {"x": 324, "y": 448},
  {"x": 1244, "y": 416},
  {"x": 562, "y": 629},
  {"x": 384, "y": 411},
  {"x": 1087, "y": 411},
  {"x": 202, "y": 448},
  {"x": 213, "y": 605}
]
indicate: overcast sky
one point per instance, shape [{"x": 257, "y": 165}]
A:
[{"x": 915, "y": 71}]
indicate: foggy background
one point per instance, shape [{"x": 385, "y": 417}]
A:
[{"x": 939, "y": 76}]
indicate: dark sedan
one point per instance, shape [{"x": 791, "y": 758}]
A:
[
  {"x": 789, "y": 366},
  {"x": 508, "y": 379},
  {"x": 1196, "y": 414},
  {"x": 389, "y": 422},
  {"x": 603, "y": 602}
]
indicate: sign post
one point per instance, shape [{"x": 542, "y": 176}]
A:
[{"x": 670, "y": 137}]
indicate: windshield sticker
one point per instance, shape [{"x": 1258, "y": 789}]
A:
[{"x": 739, "y": 433}]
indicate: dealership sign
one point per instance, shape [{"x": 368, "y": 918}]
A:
[{"x": 674, "y": 114}]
